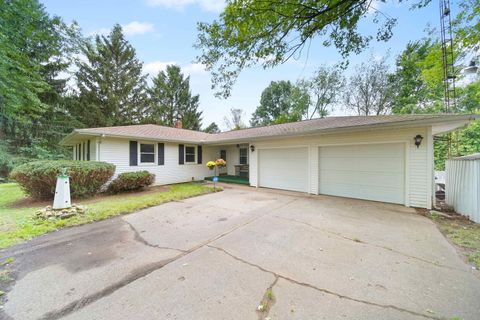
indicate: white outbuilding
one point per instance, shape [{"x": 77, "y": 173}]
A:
[{"x": 462, "y": 185}]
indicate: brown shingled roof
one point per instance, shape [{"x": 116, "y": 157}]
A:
[
  {"x": 148, "y": 131},
  {"x": 305, "y": 127},
  {"x": 325, "y": 124}
]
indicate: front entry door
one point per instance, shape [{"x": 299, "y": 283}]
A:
[{"x": 223, "y": 155}]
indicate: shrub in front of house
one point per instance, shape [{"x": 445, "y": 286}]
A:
[
  {"x": 129, "y": 181},
  {"x": 39, "y": 178}
]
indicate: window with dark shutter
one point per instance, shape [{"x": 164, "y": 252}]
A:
[
  {"x": 83, "y": 151},
  {"x": 181, "y": 154},
  {"x": 133, "y": 153},
  {"x": 199, "y": 156},
  {"x": 147, "y": 153},
  {"x": 190, "y": 154},
  {"x": 88, "y": 150},
  {"x": 161, "y": 154}
]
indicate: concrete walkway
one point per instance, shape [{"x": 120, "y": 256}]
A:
[{"x": 220, "y": 256}]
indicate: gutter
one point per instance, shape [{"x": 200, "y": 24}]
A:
[
  {"x": 105, "y": 135},
  {"x": 352, "y": 128}
]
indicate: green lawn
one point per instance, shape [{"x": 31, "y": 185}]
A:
[
  {"x": 18, "y": 224},
  {"x": 464, "y": 234}
]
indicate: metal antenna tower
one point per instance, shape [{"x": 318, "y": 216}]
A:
[{"x": 447, "y": 55}]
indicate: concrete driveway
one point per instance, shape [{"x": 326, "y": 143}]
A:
[{"x": 220, "y": 256}]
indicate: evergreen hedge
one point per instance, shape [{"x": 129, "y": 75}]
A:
[
  {"x": 38, "y": 178},
  {"x": 128, "y": 181}
]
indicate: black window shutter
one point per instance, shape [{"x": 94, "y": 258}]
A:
[
  {"x": 161, "y": 154},
  {"x": 88, "y": 150},
  {"x": 181, "y": 154},
  {"x": 133, "y": 153},
  {"x": 199, "y": 157},
  {"x": 83, "y": 151}
]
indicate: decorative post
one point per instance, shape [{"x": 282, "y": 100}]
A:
[{"x": 62, "y": 191}]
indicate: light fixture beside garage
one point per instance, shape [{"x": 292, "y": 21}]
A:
[
  {"x": 418, "y": 140},
  {"x": 252, "y": 148}
]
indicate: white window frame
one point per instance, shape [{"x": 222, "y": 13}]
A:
[
  {"x": 240, "y": 155},
  {"x": 194, "y": 154},
  {"x": 140, "y": 162}
]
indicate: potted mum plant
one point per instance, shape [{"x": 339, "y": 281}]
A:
[{"x": 213, "y": 165}]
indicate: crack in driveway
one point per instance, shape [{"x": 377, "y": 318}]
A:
[
  {"x": 142, "y": 271},
  {"x": 437, "y": 264},
  {"x": 141, "y": 239},
  {"x": 323, "y": 290},
  {"x": 267, "y": 302}
]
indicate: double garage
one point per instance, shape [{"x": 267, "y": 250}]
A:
[{"x": 363, "y": 171}]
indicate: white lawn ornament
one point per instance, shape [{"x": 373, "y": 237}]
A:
[{"x": 62, "y": 191}]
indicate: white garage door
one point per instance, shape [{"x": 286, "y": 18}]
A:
[
  {"x": 285, "y": 168},
  {"x": 371, "y": 172}
]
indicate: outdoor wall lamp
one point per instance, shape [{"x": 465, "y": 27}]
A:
[
  {"x": 418, "y": 140},
  {"x": 252, "y": 148}
]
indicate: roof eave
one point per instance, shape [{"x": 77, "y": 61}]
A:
[
  {"x": 78, "y": 132},
  {"x": 455, "y": 120},
  {"x": 399, "y": 124}
]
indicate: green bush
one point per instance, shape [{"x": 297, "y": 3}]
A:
[
  {"x": 128, "y": 181},
  {"x": 38, "y": 178}
]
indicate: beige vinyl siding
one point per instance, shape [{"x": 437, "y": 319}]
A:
[
  {"x": 116, "y": 151},
  {"x": 418, "y": 161},
  {"x": 92, "y": 149}
]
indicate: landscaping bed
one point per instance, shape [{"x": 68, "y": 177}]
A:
[{"x": 18, "y": 221}]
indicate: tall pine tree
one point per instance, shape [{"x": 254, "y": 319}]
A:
[
  {"x": 172, "y": 100},
  {"x": 35, "y": 50},
  {"x": 111, "y": 84}
]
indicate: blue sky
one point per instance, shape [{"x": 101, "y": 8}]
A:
[{"x": 164, "y": 31}]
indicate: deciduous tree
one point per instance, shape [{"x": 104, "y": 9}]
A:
[
  {"x": 370, "y": 89},
  {"x": 235, "y": 121},
  {"x": 324, "y": 88},
  {"x": 280, "y": 102},
  {"x": 268, "y": 33}
]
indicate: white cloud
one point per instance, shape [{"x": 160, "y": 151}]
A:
[
  {"x": 153, "y": 68},
  {"x": 100, "y": 32},
  {"x": 194, "y": 68},
  {"x": 130, "y": 29},
  {"x": 207, "y": 5},
  {"x": 135, "y": 27}
]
